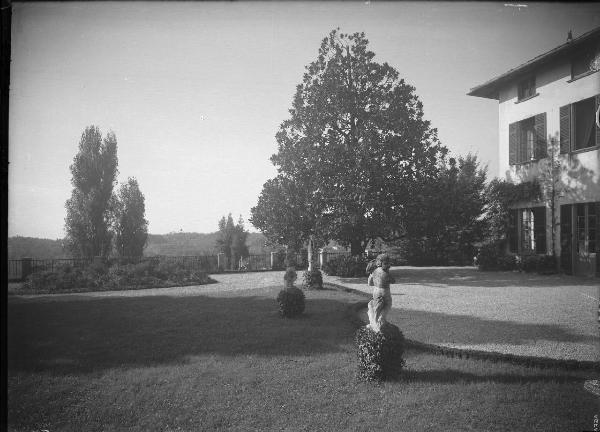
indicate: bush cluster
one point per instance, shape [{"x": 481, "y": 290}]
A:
[
  {"x": 379, "y": 353},
  {"x": 313, "y": 279},
  {"x": 113, "y": 276},
  {"x": 291, "y": 302},
  {"x": 492, "y": 257},
  {"x": 543, "y": 264},
  {"x": 346, "y": 266}
]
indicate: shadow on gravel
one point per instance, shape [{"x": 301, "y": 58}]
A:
[
  {"x": 91, "y": 335},
  {"x": 470, "y": 276},
  {"x": 439, "y": 328}
]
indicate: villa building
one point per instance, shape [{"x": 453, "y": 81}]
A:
[{"x": 549, "y": 134}]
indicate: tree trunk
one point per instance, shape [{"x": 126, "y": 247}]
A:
[{"x": 311, "y": 254}]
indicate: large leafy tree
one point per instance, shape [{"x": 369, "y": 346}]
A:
[
  {"x": 287, "y": 215},
  {"x": 130, "y": 224},
  {"x": 356, "y": 131},
  {"x": 89, "y": 211}
]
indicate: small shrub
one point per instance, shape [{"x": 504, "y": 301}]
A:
[
  {"x": 313, "y": 279},
  {"x": 492, "y": 257},
  {"x": 379, "y": 353},
  {"x": 351, "y": 266},
  {"x": 291, "y": 302},
  {"x": 547, "y": 265}
]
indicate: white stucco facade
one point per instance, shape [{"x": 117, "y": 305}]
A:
[{"x": 577, "y": 180}]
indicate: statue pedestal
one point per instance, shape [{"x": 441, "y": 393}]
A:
[{"x": 379, "y": 353}]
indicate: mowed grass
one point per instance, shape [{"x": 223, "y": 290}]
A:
[{"x": 229, "y": 362}]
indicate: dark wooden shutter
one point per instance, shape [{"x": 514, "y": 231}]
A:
[
  {"x": 597, "y": 204},
  {"x": 539, "y": 229},
  {"x": 513, "y": 232},
  {"x": 541, "y": 147},
  {"x": 566, "y": 262},
  {"x": 512, "y": 143},
  {"x": 565, "y": 129},
  {"x": 597, "y": 114}
]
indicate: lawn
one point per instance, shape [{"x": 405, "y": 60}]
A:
[{"x": 227, "y": 361}]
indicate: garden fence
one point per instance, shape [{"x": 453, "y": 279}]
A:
[{"x": 19, "y": 269}]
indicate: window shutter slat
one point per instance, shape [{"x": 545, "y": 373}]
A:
[
  {"x": 539, "y": 228},
  {"x": 512, "y": 143},
  {"x": 597, "y": 120},
  {"x": 597, "y": 204},
  {"x": 541, "y": 147},
  {"x": 565, "y": 129}
]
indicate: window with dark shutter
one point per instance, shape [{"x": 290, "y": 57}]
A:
[
  {"x": 541, "y": 147},
  {"x": 526, "y": 88},
  {"x": 565, "y": 129},
  {"x": 597, "y": 120},
  {"x": 512, "y": 143},
  {"x": 584, "y": 124}
]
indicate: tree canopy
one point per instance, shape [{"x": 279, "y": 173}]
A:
[
  {"x": 89, "y": 211},
  {"x": 232, "y": 239},
  {"x": 130, "y": 224},
  {"x": 447, "y": 219},
  {"x": 356, "y": 144}
]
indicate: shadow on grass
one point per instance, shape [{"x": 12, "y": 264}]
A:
[
  {"x": 472, "y": 277},
  {"x": 91, "y": 335},
  {"x": 439, "y": 328}
]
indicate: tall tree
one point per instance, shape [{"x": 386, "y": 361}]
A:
[
  {"x": 356, "y": 130},
  {"x": 130, "y": 224},
  {"x": 232, "y": 239},
  {"x": 94, "y": 172}
]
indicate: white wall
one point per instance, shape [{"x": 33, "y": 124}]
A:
[{"x": 581, "y": 171}]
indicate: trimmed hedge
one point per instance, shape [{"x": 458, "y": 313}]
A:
[
  {"x": 313, "y": 279},
  {"x": 543, "y": 264},
  {"x": 346, "y": 266},
  {"x": 291, "y": 302},
  {"x": 379, "y": 353},
  {"x": 151, "y": 273}
]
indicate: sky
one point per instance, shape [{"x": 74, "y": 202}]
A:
[{"x": 195, "y": 91}]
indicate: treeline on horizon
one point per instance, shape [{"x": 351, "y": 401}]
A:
[{"x": 172, "y": 244}]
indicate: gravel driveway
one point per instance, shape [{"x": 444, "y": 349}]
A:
[{"x": 510, "y": 312}]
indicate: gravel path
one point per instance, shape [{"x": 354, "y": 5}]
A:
[{"x": 509, "y": 312}]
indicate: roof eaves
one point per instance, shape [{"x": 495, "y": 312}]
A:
[{"x": 490, "y": 89}]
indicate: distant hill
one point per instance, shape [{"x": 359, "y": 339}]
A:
[
  {"x": 33, "y": 247},
  {"x": 173, "y": 244}
]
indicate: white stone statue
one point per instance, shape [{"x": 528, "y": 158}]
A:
[{"x": 380, "y": 279}]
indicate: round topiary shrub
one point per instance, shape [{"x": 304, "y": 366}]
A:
[
  {"x": 291, "y": 302},
  {"x": 379, "y": 353},
  {"x": 313, "y": 279}
]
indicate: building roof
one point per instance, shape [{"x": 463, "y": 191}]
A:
[{"x": 490, "y": 88}]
